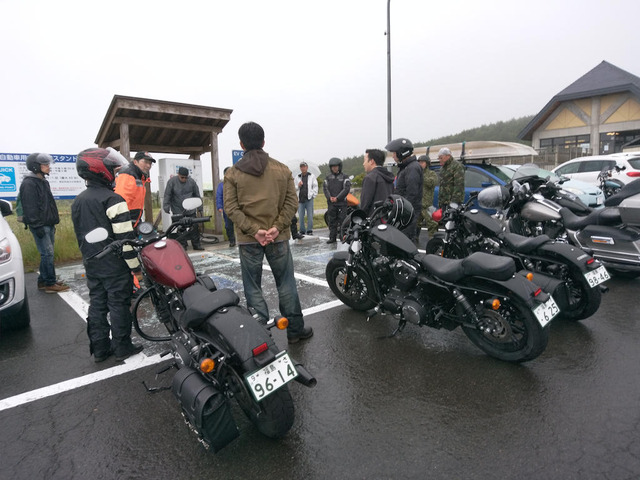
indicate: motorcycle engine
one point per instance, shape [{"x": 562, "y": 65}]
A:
[
  {"x": 405, "y": 275},
  {"x": 410, "y": 308}
]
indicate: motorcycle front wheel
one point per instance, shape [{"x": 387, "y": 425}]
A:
[
  {"x": 357, "y": 293},
  {"x": 273, "y": 416},
  {"x": 511, "y": 333}
]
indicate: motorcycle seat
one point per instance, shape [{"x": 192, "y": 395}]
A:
[
  {"x": 477, "y": 264},
  {"x": 522, "y": 244},
  {"x": 200, "y": 302},
  {"x": 602, "y": 216}
]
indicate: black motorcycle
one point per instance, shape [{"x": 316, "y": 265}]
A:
[
  {"x": 501, "y": 312},
  {"x": 220, "y": 350},
  {"x": 572, "y": 276}
]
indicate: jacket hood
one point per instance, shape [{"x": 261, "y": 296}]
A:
[
  {"x": 385, "y": 174},
  {"x": 253, "y": 162}
]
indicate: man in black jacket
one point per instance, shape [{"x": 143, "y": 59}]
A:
[
  {"x": 336, "y": 187},
  {"x": 377, "y": 184},
  {"x": 109, "y": 279},
  {"x": 409, "y": 181},
  {"x": 40, "y": 213}
]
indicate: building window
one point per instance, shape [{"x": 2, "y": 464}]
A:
[{"x": 612, "y": 142}]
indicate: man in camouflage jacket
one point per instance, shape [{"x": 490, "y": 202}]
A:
[
  {"x": 429, "y": 183},
  {"x": 451, "y": 179}
]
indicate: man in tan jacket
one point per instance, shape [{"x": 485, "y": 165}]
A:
[{"x": 260, "y": 199}]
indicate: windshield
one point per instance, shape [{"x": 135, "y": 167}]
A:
[{"x": 529, "y": 170}]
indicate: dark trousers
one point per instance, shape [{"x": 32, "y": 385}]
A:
[
  {"x": 109, "y": 295},
  {"x": 336, "y": 214}
]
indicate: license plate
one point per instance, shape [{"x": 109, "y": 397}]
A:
[
  {"x": 270, "y": 378},
  {"x": 597, "y": 276},
  {"x": 546, "y": 311}
]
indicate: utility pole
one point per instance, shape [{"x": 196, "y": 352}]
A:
[{"x": 388, "y": 71}]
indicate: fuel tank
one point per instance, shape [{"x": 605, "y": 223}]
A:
[
  {"x": 168, "y": 264},
  {"x": 540, "y": 210},
  {"x": 393, "y": 242}
]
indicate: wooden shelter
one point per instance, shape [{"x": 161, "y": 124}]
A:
[{"x": 140, "y": 124}]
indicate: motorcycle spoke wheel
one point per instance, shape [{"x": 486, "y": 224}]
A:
[
  {"x": 357, "y": 292},
  {"x": 510, "y": 333},
  {"x": 273, "y": 416}
]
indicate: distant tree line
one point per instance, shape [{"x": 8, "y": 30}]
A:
[{"x": 500, "y": 132}]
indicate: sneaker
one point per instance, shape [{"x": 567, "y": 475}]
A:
[
  {"x": 42, "y": 285},
  {"x": 303, "y": 233},
  {"x": 126, "y": 352},
  {"x": 307, "y": 332},
  {"x": 56, "y": 288}
]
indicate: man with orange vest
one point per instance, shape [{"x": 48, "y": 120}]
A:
[{"x": 131, "y": 184}]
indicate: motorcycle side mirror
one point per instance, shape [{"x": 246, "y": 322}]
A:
[
  {"x": 97, "y": 235},
  {"x": 191, "y": 203}
]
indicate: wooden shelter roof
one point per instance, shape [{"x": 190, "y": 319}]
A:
[{"x": 160, "y": 126}]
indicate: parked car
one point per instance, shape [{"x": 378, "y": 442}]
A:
[
  {"x": 481, "y": 175},
  {"x": 14, "y": 304},
  {"x": 587, "y": 169}
]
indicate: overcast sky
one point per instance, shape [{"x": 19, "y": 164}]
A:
[{"x": 313, "y": 74}]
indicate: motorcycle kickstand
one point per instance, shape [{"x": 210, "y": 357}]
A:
[
  {"x": 397, "y": 330},
  {"x": 161, "y": 388}
]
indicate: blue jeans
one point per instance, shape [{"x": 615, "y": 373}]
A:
[
  {"x": 281, "y": 263},
  {"x": 306, "y": 207},
  {"x": 44, "y": 245}
]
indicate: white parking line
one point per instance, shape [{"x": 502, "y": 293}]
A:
[{"x": 133, "y": 363}]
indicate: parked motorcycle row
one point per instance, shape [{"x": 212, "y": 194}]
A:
[{"x": 502, "y": 278}]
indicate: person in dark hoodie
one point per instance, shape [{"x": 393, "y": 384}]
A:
[
  {"x": 336, "y": 187},
  {"x": 377, "y": 184},
  {"x": 409, "y": 181},
  {"x": 40, "y": 214},
  {"x": 260, "y": 199}
]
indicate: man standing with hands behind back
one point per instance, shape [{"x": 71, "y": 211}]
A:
[{"x": 260, "y": 199}]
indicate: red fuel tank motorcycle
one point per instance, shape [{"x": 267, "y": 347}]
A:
[{"x": 220, "y": 350}]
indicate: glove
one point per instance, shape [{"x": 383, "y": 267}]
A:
[{"x": 39, "y": 232}]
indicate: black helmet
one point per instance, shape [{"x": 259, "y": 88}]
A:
[
  {"x": 36, "y": 159},
  {"x": 402, "y": 146},
  {"x": 336, "y": 161},
  {"x": 99, "y": 164},
  {"x": 400, "y": 211}
]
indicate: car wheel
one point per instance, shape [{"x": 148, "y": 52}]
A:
[{"x": 20, "y": 320}]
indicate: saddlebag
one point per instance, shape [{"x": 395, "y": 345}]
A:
[{"x": 205, "y": 407}]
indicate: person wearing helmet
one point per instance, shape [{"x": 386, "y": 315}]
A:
[
  {"x": 451, "y": 179},
  {"x": 109, "y": 279},
  {"x": 40, "y": 214},
  {"x": 409, "y": 181},
  {"x": 429, "y": 183},
  {"x": 377, "y": 184},
  {"x": 336, "y": 188}
]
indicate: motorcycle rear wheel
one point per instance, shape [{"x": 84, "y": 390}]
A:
[
  {"x": 359, "y": 295},
  {"x": 517, "y": 335},
  {"x": 584, "y": 301},
  {"x": 273, "y": 416}
]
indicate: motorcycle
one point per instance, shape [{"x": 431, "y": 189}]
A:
[
  {"x": 501, "y": 312},
  {"x": 220, "y": 350},
  {"x": 610, "y": 186},
  {"x": 601, "y": 233},
  {"x": 573, "y": 277}
]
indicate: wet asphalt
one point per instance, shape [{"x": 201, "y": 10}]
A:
[{"x": 423, "y": 404}]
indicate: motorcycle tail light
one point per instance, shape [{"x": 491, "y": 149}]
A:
[
  {"x": 260, "y": 348},
  {"x": 537, "y": 292},
  {"x": 207, "y": 365},
  {"x": 590, "y": 261},
  {"x": 282, "y": 323}
]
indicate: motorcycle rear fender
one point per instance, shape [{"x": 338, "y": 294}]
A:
[
  {"x": 240, "y": 332},
  {"x": 517, "y": 286},
  {"x": 567, "y": 254},
  {"x": 553, "y": 286}
]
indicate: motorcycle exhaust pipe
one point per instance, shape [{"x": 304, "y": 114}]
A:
[
  {"x": 304, "y": 377},
  {"x": 603, "y": 288}
]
